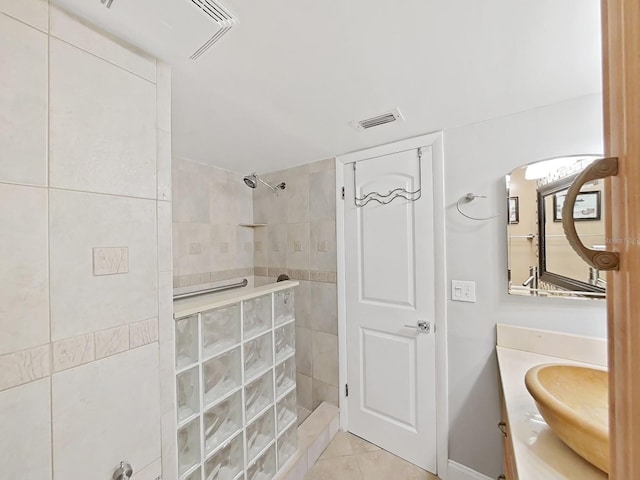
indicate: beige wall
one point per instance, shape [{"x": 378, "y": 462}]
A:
[
  {"x": 210, "y": 247},
  {"x": 300, "y": 240},
  {"x": 85, "y": 282}
]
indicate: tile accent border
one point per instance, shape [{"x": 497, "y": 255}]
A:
[
  {"x": 294, "y": 274},
  {"x": 110, "y": 261},
  {"x": 27, "y": 366},
  {"x": 210, "y": 277},
  {"x": 297, "y": 274}
]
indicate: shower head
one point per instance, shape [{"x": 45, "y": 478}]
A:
[{"x": 252, "y": 180}]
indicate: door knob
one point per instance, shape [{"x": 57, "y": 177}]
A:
[{"x": 422, "y": 326}]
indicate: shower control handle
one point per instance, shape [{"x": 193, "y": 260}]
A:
[
  {"x": 123, "y": 472},
  {"x": 423, "y": 326}
]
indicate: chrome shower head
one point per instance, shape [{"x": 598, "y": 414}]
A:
[{"x": 251, "y": 180}]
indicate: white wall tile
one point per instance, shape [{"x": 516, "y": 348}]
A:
[
  {"x": 110, "y": 152},
  {"x": 261, "y": 246},
  {"x": 322, "y": 195},
  {"x": 298, "y": 245},
  {"x": 25, "y": 441},
  {"x": 223, "y": 196},
  {"x": 24, "y": 258},
  {"x": 297, "y": 194},
  {"x": 150, "y": 472},
  {"x": 190, "y": 193},
  {"x": 304, "y": 359},
  {"x": 80, "y": 302},
  {"x": 277, "y": 247},
  {"x": 322, "y": 250},
  {"x": 112, "y": 341},
  {"x": 322, "y": 165},
  {"x": 244, "y": 247},
  {"x": 143, "y": 333},
  {"x": 32, "y": 12},
  {"x": 166, "y": 325},
  {"x": 325, "y": 357},
  {"x": 189, "y": 234},
  {"x": 164, "y": 165},
  {"x": 23, "y": 367},
  {"x": 73, "y": 31},
  {"x": 72, "y": 352},
  {"x": 224, "y": 244},
  {"x": 165, "y": 256},
  {"x": 324, "y": 314},
  {"x": 105, "y": 412},
  {"x": 163, "y": 97},
  {"x": 23, "y": 101},
  {"x": 169, "y": 447},
  {"x": 167, "y": 378}
]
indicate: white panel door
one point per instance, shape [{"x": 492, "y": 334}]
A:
[{"x": 389, "y": 290}]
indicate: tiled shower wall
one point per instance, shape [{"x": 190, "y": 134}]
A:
[
  {"x": 210, "y": 247},
  {"x": 85, "y": 250},
  {"x": 300, "y": 240}
]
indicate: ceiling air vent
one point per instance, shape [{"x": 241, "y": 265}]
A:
[
  {"x": 214, "y": 10},
  {"x": 218, "y": 14},
  {"x": 175, "y": 31},
  {"x": 382, "y": 119}
]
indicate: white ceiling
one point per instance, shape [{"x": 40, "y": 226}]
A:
[{"x": 283, "y": 86}]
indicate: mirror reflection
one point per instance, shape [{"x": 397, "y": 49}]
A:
[{"x": 541, "y": 261}]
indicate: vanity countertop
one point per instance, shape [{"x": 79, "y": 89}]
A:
[{"x": 539, "y": 453}]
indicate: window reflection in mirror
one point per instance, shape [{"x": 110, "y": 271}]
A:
[{"x": 540, "y": 260}]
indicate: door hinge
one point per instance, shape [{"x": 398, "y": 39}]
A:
[
  {"x": 346, "y": 389},
  {"x": 343, "y": 193}
]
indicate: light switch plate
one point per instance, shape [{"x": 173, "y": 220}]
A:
[{"x": 462, "y": 291}]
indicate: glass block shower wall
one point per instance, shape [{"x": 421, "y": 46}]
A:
[{"x": 236, "y": 389}]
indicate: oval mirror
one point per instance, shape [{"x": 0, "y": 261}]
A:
[{"x": 541, "y": 261}]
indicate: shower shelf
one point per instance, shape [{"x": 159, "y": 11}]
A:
[
  {"x": 235, "y": 384},
  {"x": 252, "y": 225}
]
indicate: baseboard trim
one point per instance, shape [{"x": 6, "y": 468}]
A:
[{"x": 457, "y": 471}]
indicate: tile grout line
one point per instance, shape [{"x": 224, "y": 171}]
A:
[
  {"x": 110, "y": 62},
  {"x": 48, "y": 193},
  {"x": 8, "y": 15},
  {"x": 48, "y": 187}
]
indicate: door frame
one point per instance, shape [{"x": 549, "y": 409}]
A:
[
  {"x": 621, "y": 67},
  {"x": 435, "y": 141}
]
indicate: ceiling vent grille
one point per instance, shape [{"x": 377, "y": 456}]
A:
[
  {"x": 215, "y": 11},
  {"x": 218, "y": 14},
  {"x": 382, "y": 119}
]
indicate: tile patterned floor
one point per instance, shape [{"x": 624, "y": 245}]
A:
[{"x": 351, "y": 458}]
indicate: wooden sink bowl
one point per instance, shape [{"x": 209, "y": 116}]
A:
[{"x": 574, "y": 401}]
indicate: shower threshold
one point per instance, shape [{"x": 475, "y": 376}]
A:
[{"x": 314, "y": 435}]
